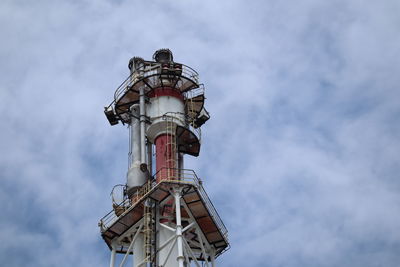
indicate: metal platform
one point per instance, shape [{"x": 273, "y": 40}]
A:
[
  {"x": 194, "y": 101},
  {"x": 188, "y": 141},
  {"x": 196, "y": 204},
  {"x": 183, "y": 80}
]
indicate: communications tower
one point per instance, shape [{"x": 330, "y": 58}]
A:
[{"x": 162, "y": 216}]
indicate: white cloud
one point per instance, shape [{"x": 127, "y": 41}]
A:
[{"x": 301, "y": 155}]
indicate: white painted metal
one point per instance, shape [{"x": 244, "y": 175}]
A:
[
  {"x": 172, "y": 247},
  {"x": 167, "y": 227},
  {"x": 180, "y": 258},
  {"x": 189, "y": 251},
  {"x": 159, "y": 108},
  {"x": 127, "y": 253},
  {"x": 135, "y": 177},
  {"x": 187, "y": 259},
  {"x": 212, "y": 256},
  {"x": 188, "y": 227},
  {"x": 168, "y": 253},
  {"x": 197, "y": 226},
  {"x": 149, "y": 157},
  {"x": 177, "y": 234},
  {"x": 202, "y": 247},
  {"x": 133, "y": 229},
  {"x": 129, "y": 249},
  {"x": 112, "y": 260},
  {"x": 142, "y": 125},
  {"x": 138, "y": 250},
  {"x": 167, "y": 242},
  {"x": 135, "y": 132}
]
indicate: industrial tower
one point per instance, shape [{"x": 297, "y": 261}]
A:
[{"x": 161, "y": 217}]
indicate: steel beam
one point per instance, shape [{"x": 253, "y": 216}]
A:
[
  {"x": 112, "y": 260},
  {"x": 177, "y": 195},
  {"x": 130, "y": 246}
]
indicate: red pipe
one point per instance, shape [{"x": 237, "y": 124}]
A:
[{"x": 165, "y": 158}]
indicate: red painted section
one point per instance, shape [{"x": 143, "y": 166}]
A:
[
  {"x": 165, "y": 158},
  {"x": 166, "y": 91}
]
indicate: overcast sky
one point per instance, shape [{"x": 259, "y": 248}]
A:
[{"x": 301, "y": 155}]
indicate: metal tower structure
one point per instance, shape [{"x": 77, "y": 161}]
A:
[{"x": 162, "y": 216}]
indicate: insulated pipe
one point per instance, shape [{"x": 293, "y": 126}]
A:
[
  {"x": 135, "y": 177},
  {"x": 135, "y": 133},
  {"x": 150, "y": 158},
  {"x": 142, "y": 126}
]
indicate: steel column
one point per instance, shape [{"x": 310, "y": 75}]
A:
[
  {"x": 135, "y": 134},
  {"x": 112, "y": 260},
  {"x": 177, "y": 195}
]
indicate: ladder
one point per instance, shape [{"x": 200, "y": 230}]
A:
[
  {"x": 191, "y": 113},
  {"x": 147, "y": 233},
  {"x": 171, "y": 148}
]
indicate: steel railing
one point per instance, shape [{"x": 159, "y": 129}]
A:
[
  {"x": 181, "y": 176},
  {"x": 152, "y": 70},
  {"x": 188, "y": 122},
  {"x": 195, "y": 92}
]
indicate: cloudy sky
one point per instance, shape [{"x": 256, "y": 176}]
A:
[{"x": 301, "y": 155}]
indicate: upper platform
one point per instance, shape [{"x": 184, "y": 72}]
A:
[{"x": 151, "y": 75}]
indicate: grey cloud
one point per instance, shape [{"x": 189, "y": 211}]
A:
[{"x": 300, "y": 156}]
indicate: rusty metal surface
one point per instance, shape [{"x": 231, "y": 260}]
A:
[{"x": 194, "y": 201}]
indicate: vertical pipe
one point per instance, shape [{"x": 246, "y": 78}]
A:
[
  {"x": 135, "y": 177},
  {"x": 142, "y": 126},
  {"x": 112, "y": 260},
  {"x": 157, "y": 232},
  {"x": 135, "y": 138},
  {"x": 150, "y": 158},
  {"x": 180, "y": 165},
  {"x": 177, "y": 195},
  {"x": 130, "y": 148}
]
